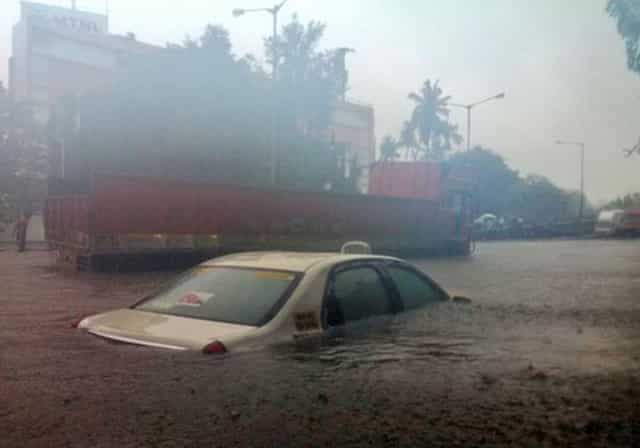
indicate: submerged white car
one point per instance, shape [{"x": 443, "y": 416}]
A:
[{"x": 250, "y": 299}]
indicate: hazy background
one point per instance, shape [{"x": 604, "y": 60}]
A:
[{"x": 560, "y": 62}]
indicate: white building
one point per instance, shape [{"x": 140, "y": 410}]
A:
[
  {"x": 60, "y": 51},
  {"x": 353, "y": 125}
]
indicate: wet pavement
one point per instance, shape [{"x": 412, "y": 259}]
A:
[{"x": 548, "y": 354}]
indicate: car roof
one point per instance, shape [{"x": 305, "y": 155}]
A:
[{"x": 288, "y": 261}]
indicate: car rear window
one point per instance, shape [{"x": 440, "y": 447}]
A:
[
  {"x": 234, "y": 295},
  {"x": 414, "y": 290}
]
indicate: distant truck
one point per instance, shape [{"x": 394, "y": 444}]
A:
[
  {"x": 618, "y": 223},
  {"x": 412, "y": 208}
]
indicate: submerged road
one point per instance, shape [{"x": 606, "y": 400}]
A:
[{"x": 548, "y": 354}]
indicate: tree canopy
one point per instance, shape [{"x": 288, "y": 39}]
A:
[
  {"x": 631, "y": 200},
  {"x": 627, "y": 16},
  {"x": 307, "y": 81},
  {"x": 626, "y": 13},
  {"x": 197, "y": 111},
  {"x": 23, "y": 158},
  {"x": 494, "y": 180},
  {"x": 428, "y": 134},
  {"x": 501, "y": 191},
  {"x": 430, "y": 121},
  {"x": 307, "y": 87},
  {"x": 388, "y": 148}
]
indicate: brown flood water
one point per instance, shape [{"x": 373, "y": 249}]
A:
[{"x": 548, "y": 354}]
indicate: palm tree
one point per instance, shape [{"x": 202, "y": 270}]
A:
[
  {"x": 408, "y": 140},
  {"x": 388, "y": 148},
  {"x": 430, "y": 120}
]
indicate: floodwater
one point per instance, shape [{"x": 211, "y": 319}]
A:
[
  {"x": 559, "y": 304},
  {"x": 547, "y": 354}
]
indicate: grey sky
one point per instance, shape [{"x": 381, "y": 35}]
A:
[{"x": 560, "y": 62}]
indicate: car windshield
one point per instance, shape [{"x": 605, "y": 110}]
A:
[{"x": 234, "y": 295}]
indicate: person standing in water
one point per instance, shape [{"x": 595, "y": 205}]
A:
[{"x": 20, "y": 230}]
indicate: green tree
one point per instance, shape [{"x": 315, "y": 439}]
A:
[
  {"x": 493, "y": 180},
  {"x": 23, "y": 158},
  {"x": 626, "y": 13},
  {"x": 536, "y": 199},
  {"x": 197, "y": 111},
  {"x": 183, "y": 111},
  {"x": 499, "y": 190},
  {"x": 430, "y": 120},
  {"x": 388, "y": 148},
  {"x": 307, "y": 89},
  {"x": 408, "y": 140},
  {"x": 4, "y": 160},
  {"x": 308, "y": 84},
  {"x": 627, "y": 16},
  {"x": 623, "y": 202}
]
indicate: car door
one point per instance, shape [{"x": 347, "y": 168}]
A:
[
  {"x": 414, "y": 288},
  {"x": 355, "y": 293}
]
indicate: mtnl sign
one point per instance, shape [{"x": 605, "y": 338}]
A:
[{"x": 69, "y": 19}]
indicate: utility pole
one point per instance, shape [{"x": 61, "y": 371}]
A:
[
  {"x": 469, "y": 127},
  {"x": 276, "y": 59},
  {"x": 274, "y": 156},
  {"x": 581, "y": 206}
]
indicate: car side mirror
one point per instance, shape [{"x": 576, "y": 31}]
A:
[{"x": 461, "y": 299}]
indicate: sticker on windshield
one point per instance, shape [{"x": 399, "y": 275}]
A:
[
  {"x": 195, "y": 298},
  {"x": 274, "y": 275}
]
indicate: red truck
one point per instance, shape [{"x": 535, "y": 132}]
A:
[{"x": 412, "y": 208}]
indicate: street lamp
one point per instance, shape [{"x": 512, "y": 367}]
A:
[
  {"x": 468, "y": 107},
  {"x": 581, "y": 146},
  {"x": 237, "y": 12}
]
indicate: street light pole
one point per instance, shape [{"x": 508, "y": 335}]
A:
[
  {"x": 273, "y": 172},
  {"x": 274, "y": 75},
  {"x": 469, "y": 128},
  {"x": 468, "y": 107},
  {"x": 274, "y": 38},
  {"x": 581, "y": 146}
]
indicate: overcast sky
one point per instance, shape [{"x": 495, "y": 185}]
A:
[{"x": 560, "y": 62}]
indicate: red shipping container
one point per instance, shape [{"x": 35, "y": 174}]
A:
[
  {"x": 416, "y": 180},
  {"x": 125, "y": 215}
]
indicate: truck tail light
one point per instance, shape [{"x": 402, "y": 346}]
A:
[{"x": 214, "y": 348}]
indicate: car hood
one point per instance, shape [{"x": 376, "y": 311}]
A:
[{"x": 161, "y": 330}]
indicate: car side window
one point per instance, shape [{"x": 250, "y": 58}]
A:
[
  {"x": 414, "y": 290},
  {"x": 356, "y": 293}
]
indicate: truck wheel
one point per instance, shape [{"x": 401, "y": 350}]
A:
[{"x": 459, "y": 248}]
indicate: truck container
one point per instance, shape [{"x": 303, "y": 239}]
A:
[
  {"x": 417, "y": 180},
  {"x": 120, "y": 216}
]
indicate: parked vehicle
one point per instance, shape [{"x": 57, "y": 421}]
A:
[
  {"x": 120, "y": 216},
  {"x": 252, "y": 299},
  {"x": 630, "y": 225},
  {"x": 609, "y": 223}
]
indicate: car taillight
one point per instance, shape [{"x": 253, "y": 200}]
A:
[
  {"x": 215, "y": 347},
  {"x": 76, "y": 322}
]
